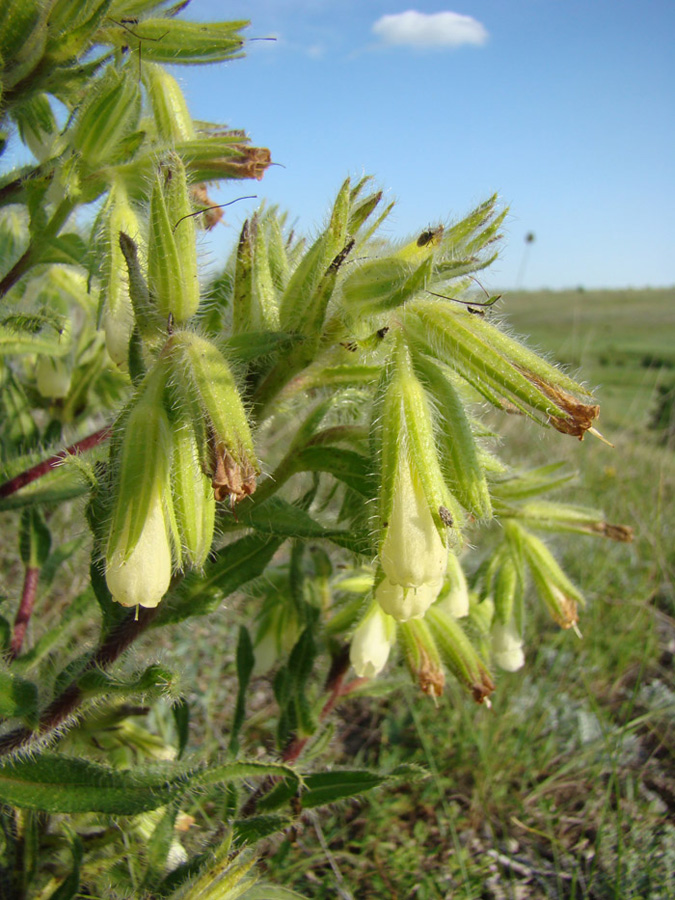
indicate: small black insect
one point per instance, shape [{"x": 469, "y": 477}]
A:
[
  {"x": 446, "y": 515},
  {"x": 429, "y": 235}
]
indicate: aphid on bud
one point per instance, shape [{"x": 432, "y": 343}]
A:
[
  {"x": 382, "y": 331},
  {"x": 431, "y": 234},
  {"x": 445, "y": 516}
]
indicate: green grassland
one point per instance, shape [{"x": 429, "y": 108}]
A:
[{"x": 566, "y": 788}]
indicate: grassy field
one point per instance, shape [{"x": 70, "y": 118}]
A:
[{"x": 566, "y": 789}]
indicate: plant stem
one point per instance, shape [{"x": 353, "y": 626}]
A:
[
  {"x": 33, "y": 253},
  {"x": 43, "y": 468},
  {"x": 25, "y": 610},
  {"x": 66, "y": 704},
  {"x": 338, "y": 690}
]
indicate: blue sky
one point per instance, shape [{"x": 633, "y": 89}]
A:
[{"x": 566, "y": 108}]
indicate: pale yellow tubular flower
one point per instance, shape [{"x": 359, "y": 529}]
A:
[
  {"x": 372, "y": 642},
  {"x": 144, "y": 578}
]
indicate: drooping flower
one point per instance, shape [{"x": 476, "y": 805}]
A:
[
  {"x": 507, "y": 647},
  {"x": 143, "y": 577},
  {"x": 372, "y": 642}
]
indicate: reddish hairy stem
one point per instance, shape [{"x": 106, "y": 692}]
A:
[
  {"x": 25, "y": 610},
  {"x": 46, "y": 466},
  {"x": 297, "y": 745},
  {"x": 68, "y": 701}
]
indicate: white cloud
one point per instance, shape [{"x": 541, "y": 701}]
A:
[{"x": 441, "y": 29}]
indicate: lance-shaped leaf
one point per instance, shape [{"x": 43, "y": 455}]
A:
[
  {"x": 18, "y": 697},
  {"x": 232, "y": 567},
  {"x": 61, "y": 784},
  {"x": 38, "y": 333},
  {"x": 245, "y": 662}
]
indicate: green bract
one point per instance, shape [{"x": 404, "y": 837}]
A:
[{"x": 173, "y": 280}]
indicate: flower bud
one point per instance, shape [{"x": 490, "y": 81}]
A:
[
  {"x": 177, "y": 41},
  {"x": 118, "y": 313},
  {"x": 37, "y": 126},
  {"x": 554, "y": 587},
  {"x": 172, "y": 117},
  {"x": 303, "y": 303},
  {"x": 507, "y": 647},
  {"x": 371, "y": 642},
  {"x": 193, "y": 500},
  {"x": 459, "y": 654},
  {"x": 422, "y": 657},
  {"x": 173, "y": 278},
  {"x": 277, "y": 633},
  {"x": 23, "y": 35},
  {"x": 507, "y": 374},
  {"x": 108, "y": 115},
  {"x": 254, "y": 300},
  {"x": 208, "y": 386}
]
